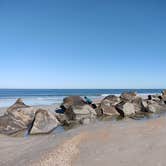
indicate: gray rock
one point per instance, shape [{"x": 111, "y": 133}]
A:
[
  {"x": 155, "y": 107},
  {"x": 130, "y": 108},
  {"x": 138, "y": 104},
  {"x": 72, "y": 101},
  {"x": 113, "y": 100},
  {"x": 164, "y": 92},
  {"x": 21, "y": 113},
  {"x": 44, "y": 122},
  {"x": 126, "y": 108},
  {"x": 8, "y": 126},
  {"x": 16, "y": 118},
  {"x": 156, "y": 97},
  {"x": 129, "y": 96},
  {"x": 76, "y": 110},
  {"x": 80, "y": 113},
  {"x": 106, "y": 107}
]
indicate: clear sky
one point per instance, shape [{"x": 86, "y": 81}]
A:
[{"x": 82, "y": 44}]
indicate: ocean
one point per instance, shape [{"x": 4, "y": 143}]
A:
[{"x": 55, "y": 96}]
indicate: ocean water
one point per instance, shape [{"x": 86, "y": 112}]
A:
[{"x": 55, "y": 96}]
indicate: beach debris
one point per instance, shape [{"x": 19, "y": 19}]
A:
[{"x": 44, "y": 122}]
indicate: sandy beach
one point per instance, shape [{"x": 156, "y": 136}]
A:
[{"x": 123, "y": 143}]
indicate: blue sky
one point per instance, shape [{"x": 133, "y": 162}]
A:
[{"x": 82, "y": 44}]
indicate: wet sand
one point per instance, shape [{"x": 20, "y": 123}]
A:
[{"x": 124, "y": 143}]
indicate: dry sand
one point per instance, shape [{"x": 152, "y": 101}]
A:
[{"x": 124, "y": 143}]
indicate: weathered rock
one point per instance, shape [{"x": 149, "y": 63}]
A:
[
  {"x": 129, "y": 96},
  {"x": 76, "y": 109},
  {"x": 106, "y": 108},
  {"x": 164, "y": 92},
  {"x": 44, "y": 122},
  {"x": 156, "y": 97},
  {"x": 72, "y": 101},
  {"x": 127, "y": 108},
  {"x": 154, "y": 107},
  {"x": 138, "y": 104},
  {"x": 16, "y": 118},
  {"x": 163, "y": 97},
  {"x": 77, "y": 113},
  {"x": 113, "y": 100},
  {"x": 22, "y": 114},
  {"x": 8, "y": 126}
]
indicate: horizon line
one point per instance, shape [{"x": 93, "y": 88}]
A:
[{"x": 73, "y": 88}]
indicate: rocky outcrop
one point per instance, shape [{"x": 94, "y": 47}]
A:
[
  {"x": 72, "y": 101},
  {"x": 138, "y": 104},
  {"x": 16, "y": 118},
  {"x": 113, "y": 100},
  {"x": 154, "y": 107},
  {"x": 128, "y": 96},
  {"x": 21, "y": 113},
  {"x": 126, "y": 108},
  {"x": 77, "y": 110},
  {"x": 156, "y": 97},
  {"x": 22, "y": 117},
  {"x": 80, "y": 112},
  {"x": 8, "y": 126},
  {"x": 107, "y": 106},
  {"x": 44, "y": 122},
  {"x": 131, "y": 107}
]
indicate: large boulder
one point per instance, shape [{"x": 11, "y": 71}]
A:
[
  {"x": 72, "y": 101},
  {"x": 113, "y": 100},
  {"x": 128, "y": 96},
  {"x": 138, "y": 104},
  {"x": 8, "y": 126},
  {"x": 16, "y": 118},
  {"x": 154, "y": 107},
  {"x": 76, "y": 110},
  {"x": 107, "y": 106},
  {"x": 131, "y": 108},
  {"x": 21, "y": 113},
  {"x": 44, "y": 122},
  {"x": 80, "y": 112},
  {"x": 127, "y": 108},
  {"x": 156, "y": 97}
]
